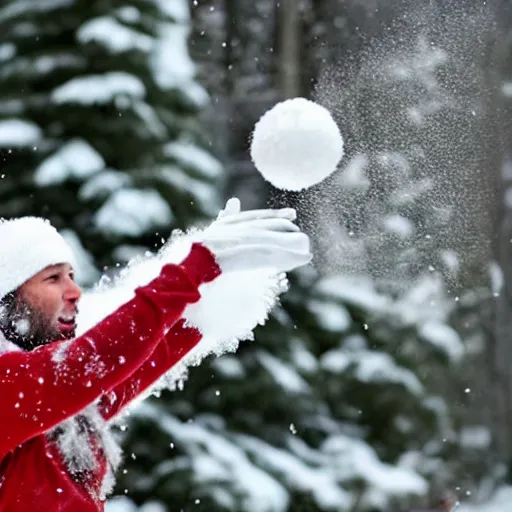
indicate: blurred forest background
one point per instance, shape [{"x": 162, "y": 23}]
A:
[{"x": 383, "y": 382}]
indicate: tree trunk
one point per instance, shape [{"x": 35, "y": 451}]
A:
[{"x": 289, "y": 71}]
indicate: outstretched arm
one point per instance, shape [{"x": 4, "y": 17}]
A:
[
  {"x": 170, "y": 350},
  {"x": 42, "y": 388},
  {"x": 251, "y": 248}
]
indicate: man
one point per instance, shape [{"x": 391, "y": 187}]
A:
[{"x": 58, "y": 392}]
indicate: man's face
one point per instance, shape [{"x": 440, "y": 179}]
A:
[{"x": 44, "y": 308}]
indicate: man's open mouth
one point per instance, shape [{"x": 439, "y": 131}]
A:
[{"x": 66, "y": 323}]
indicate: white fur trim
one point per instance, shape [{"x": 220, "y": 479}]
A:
[
  {"x": 230, "y": 308},
  {"x": 27, "y": 246},
  {"x": 233, "y": 304}
]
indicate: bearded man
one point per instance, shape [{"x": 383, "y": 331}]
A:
[{"x": 59, "y": 393}]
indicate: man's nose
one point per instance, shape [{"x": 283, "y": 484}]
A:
[{"x": 72, "y": 292}]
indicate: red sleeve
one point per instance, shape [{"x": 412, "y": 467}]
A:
[
  {"x": 41, "y": 388},
  {"x": 170, "y": 350},
  {"x": 173, "y": 347}
]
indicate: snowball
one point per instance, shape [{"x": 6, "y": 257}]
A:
[{"x": 296, "y": 144}]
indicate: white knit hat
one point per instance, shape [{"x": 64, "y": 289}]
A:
[{"x": 27, "y": 246}]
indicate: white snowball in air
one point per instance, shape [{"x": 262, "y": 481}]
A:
[{"x": 296, "y": 144}]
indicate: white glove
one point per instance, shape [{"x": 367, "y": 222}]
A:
[{"x": 256, "y": 239}]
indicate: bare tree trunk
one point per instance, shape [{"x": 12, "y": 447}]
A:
[
  {"x": 289, "y": 70},
  {"x": 499, "y": 346}
]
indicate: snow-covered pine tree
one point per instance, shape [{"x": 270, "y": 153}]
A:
[
  {"x": 98, "y": 123},
  {"x": 414, "y": 199}
]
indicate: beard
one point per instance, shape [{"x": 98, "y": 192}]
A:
[{"x": 25, "y": 325}]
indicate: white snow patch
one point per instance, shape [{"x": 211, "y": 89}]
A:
[
  {"x": 475, "y": 437},
  {"x": 296, "y": 144},
  {"x": 398, "y": 225},
  {"x": 124, "y": 504},
  {"x": 104, "y": 183},
  {"x": 230, "y": 367},
  {"x": 114, "y": 36},
  {"x": 170, "y": 61},
  {"x": 190, "y": 155},
  {"x": 99, "y": 89},
  {"x": 331, "y": 317},
  {"x": 7, "y": 51},
  {"x": 499, "y": 502},
  {"x": 22, "y": 7},
  {"x": 150, "y": 118},
  {"x": 171, "y": 65},
  {"x": 355, "y": 290},
  {"x": 285, "y": 376},
  {"x": 425, "y": 301},
  {"x": 335, "y": 361},
  {"x": 302, "y": 358},
  {"x": 153, "y": 506},
  {"x": 352, "y": 458},
  {"x": 120, "y": 504},
  {"x": 19, "y": 133},
  {"x": 133, "y": 212},
  {"x": 381, "y": 368},
  {"x": 507, "y": 197},
  {"x": 497, "y": 277},
  {"x": 177, "y": 9},
  {"x": 195, "y": 93},
  {"x": 450, "y": 260},
  {"x": 76, "y": 159},
  {"x": 506, "y": 88},
  {"x": 205, "y": 194},
  {"x": 443, "y": 337},
  {"x": 371, "y": 366},
  {"x": 129, "y": 14},
  {"x": 353, "y": 176}
]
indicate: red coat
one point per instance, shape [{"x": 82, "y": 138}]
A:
[{"x": 104, "y": 369}]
